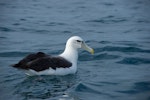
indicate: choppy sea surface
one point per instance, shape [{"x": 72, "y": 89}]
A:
[{"x": 118, "y": 30}]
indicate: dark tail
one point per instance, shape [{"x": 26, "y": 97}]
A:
[
  {"x": 15, "y": 65},
  {"x": 19, "y": 66}
]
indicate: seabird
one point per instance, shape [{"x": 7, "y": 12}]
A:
[{"x": 63, "y": 64}]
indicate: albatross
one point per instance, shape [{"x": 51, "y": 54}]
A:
[{"x": 63, "y": 64}]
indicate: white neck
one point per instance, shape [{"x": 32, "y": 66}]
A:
[{"x": 70, "y": 54}]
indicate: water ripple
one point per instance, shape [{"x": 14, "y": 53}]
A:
[
  {"x": 43, "y": 87},
  {"x": 108, "y": 4},
  {"x": 134, "y": 61},
  {"x": 55, "y": 24},
  {"x": 1, "y": 37},
  {"x": 108, "y": 20},
  {"x": 13, "y": 54},
  {"x": 84, "y": 88},
  {"x": 139, "y": 87},
  {"x": 6, "y": 29},
  {"x": 121, "y": 49}
]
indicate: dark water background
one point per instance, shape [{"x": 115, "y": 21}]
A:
[{"x": 118, "y": 30}]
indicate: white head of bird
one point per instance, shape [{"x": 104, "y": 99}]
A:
[
  {"x": 77, "y": 42},
  {"x": 71, "y": 50}
]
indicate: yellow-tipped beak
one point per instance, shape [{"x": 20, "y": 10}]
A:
[
  {"x": 92, "y": 51},
  {"x": 87, "y": 48}
]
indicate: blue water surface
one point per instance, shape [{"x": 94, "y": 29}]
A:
[{"x": 118, "y": 30}]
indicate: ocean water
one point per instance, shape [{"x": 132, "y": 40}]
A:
[{"x": 118, "y": 30}]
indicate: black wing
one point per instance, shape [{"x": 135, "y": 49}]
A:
[
  {"x": 31, "y": 57},
  {"x": 49, "y": 62},
  {"x": 40, "y": 61}
]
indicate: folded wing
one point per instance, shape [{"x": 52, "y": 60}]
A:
[{"x": 40, "y": 61}]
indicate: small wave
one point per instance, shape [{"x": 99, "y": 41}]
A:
[
  {"x": 42, "y": 31},
  {"x": 44, "y": 87},
  {"x": 1, "y": 37},
  {"x": 128, "y": 43},
  {"x": 134, "y": 61},
  {"x": 105, "y": 56},
  {"x": 23, "y": 19},
  {"x": 85, "y": 57},
  {"x": 16, "y": 24},
  {"x": 85, "y": 88},
  {"x": 3, "y": 4},
  {"x": 97, "y": 42},
  {"x": 109, "y": 83},
  {"x": 13, "y": 54},
  {"x": 5, "y": 29},
  {"x": 108, "y": 4},
  {"x": 66, "y": 32},
  {"x": 121, "y": 49},
  {"x": 143, "y": 21},
  {"x": 139, "y": 87},
  {"x": 55, "y": 24},
  {"x": 108, "y": 20},
  {"x": 104, "y": 42}
]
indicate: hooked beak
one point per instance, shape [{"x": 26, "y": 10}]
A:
[{"x": 87, "y": 48}]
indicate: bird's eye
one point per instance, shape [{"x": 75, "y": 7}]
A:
[{"x": 78, "y": 41}]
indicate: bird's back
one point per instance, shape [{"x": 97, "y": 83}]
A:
[{"x": 29, "y": 58}]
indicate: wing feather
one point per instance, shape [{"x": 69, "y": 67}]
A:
[
  {"x": 49, "y": 62},
  {"x": 40, "y": 61},
  {"x": 29, "y": 58}
]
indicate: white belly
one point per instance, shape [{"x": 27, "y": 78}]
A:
[{"x": 50, "y": 71}]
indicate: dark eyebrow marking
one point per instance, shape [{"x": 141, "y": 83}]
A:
[{"x": 78, "y": 41}]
